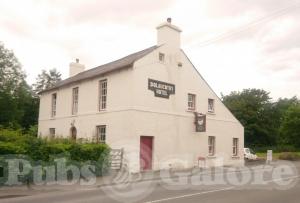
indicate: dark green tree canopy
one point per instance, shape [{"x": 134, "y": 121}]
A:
[{"x": 18, "y": 109}]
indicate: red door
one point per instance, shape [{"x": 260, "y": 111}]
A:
[{"x": 146, "y": 145}]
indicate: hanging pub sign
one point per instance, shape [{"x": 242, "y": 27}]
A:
[
  {"x": 161, "y": 89},
  {"x": 200, "y": 122}
]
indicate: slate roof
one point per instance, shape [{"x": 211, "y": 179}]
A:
[{"x": 124, "y": 62}]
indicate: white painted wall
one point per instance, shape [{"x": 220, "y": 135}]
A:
[{"x": 133, "y": 111}]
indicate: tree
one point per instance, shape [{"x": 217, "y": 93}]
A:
[
  {"x": 18, "y": 108},
  {"x": 46, "y": 80},
  {"x": 290, "y": 128},
  {"x": 12, "y": 80},
  {"x": 253, "y": 108}
]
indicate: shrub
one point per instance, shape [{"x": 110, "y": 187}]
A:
[{"x": 43, "y": 152}]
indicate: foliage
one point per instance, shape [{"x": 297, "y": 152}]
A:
[
  {"x": 18, "y": 109},
  {"x": 14, "y": 142},
  {"x": 262, "y": 118},
  {"x": 290, "y": 128},
  {"x": 46, "y": 80}
]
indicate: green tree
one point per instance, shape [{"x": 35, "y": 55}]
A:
[
  {"x": 46, "y": 80},
  {"x": 18, "y": 108},
  {"x": 290, "y": 128},
  {"x": 253, "y": 108}
]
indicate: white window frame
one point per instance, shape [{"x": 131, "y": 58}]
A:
[
  {"x": 52, "y": 133},
  {"x": 235, "y": 146},
  {"x": 211, "y": 105},
  {"x": 101, "y": 133},
  {"x": 102, "y": 94},
  {"x": 53, "y": 104},
  {"x": 211, "y": 145},
  {"x": 75, "y": 98},
  {"x": 191, "y": 101},
  {"x": 161, "y": 57}
]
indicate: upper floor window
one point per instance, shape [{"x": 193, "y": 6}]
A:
[
  {"x": 101, "y": 134},
  {"x": 235, "y": 144},
  {"x": 211, "y": 145},
  {"x": 161, "y": 57},
  {"x": 102, "y": 94},
  {"x": 75, "y": 93},
  {"x": 211, "y": 105},
  {"x": 53, "y": 105},
  {"x": 191, "y": 101}
]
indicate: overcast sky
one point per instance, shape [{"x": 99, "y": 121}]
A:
[{"x": 235, "y": 44}]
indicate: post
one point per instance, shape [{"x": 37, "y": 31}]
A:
[{"x": 269, "y": 156}]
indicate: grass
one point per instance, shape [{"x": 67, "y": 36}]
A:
[{"x": 276, "y": 155}]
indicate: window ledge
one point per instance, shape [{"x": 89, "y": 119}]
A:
[
  {"x": 235, "y": 157},
  {"x": 211, "y": 157},
  {"x": 190, "y": 110},
  {"x": 211, "y": 113}
]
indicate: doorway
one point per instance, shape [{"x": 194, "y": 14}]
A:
[
  {"x": 146, "y": 152},
  {"x": 73, "y": 133}
]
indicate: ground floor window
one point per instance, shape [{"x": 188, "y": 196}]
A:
[
  {"x": 52, "y": 133},
  {"x": 101, "y": 134},
  {"x": 235, "y": 145},
  {"x": 211, "y": 145}
]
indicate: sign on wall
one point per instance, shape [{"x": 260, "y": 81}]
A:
[
  {"x": 200, "y": 122},
  {"x": 161, "y": 89}
]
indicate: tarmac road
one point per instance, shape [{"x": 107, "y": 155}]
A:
[{"x": 226, "y": 187}]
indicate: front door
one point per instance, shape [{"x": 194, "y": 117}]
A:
[{"x": 146, "y": 146}]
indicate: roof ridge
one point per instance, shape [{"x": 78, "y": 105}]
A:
[{"x": 104, "y": 68}]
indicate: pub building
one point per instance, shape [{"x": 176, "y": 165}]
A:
[{"x": 154, "y": 104}]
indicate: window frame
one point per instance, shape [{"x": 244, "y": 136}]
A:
[
  {"x": 102, "y": 97},
  {"x": 193, "y": 102},
  {"x": 235, "y": 146},
  {"x": 101, "y": 133},
  {"x": 52, "y": 133},
  {"x": 161, "y": 57},
  {"x": 209, "y": 109},
  {"x": 211, "y": 145},
  {"x": 53, "y": 104},
  {"x": 75, "y": 100}
]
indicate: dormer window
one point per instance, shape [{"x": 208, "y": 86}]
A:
[{"x": 161, "y": 57}]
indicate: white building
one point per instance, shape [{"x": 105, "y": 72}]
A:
[{"x": 153, "y": 103}]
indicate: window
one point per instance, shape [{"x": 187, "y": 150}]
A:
[
  {"x": 102, "y": 94},
  {"x": 211, "y": 145},
  {"x": 101, "y": 134},
  {"x": 53, "y": 105},
  {"x": 235, "y": 147},
  {"x": 211, "y": 106},
  {"x": 161, "y": 57},
  {"x": 191, "y": 101},
  {"x": 52, "y": 132},
  {"x": 75, "y": 100}
]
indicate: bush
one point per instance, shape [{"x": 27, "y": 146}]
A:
[
  {"x": 291, "y": 156},
  {"x": 43, "y": 152}
]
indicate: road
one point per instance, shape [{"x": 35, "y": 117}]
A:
[{"x": 226, "y": 188}]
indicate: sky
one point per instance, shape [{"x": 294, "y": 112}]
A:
[{"x": 235, "y": 44}]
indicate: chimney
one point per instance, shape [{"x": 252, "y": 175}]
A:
[
  {"x": 75, "y": 68},
  {"x": 168, "y": 34}
]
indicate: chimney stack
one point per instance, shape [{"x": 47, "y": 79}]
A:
[
  {"x": 75, "y": 68},
  {"x": 168, "y": 34}
]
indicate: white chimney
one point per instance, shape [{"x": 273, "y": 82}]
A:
[
  {"x": 75, "y": 68},
  {"x": 168, "y": 34}
]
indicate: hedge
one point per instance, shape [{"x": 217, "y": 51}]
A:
[{"x": 43, "y": 152}]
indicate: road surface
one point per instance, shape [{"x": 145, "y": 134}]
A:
[{"x": 276, "y": 189}]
